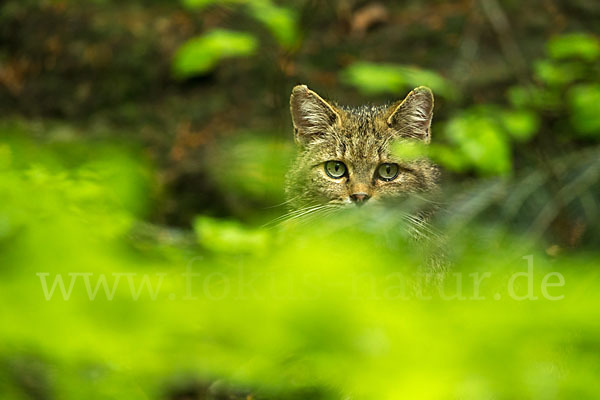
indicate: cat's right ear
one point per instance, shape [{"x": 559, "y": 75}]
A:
[{"x": 311, "y": 114}]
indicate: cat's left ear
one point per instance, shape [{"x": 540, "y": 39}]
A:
[{"x": 411, "y": 117}]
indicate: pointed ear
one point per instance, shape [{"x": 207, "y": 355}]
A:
[
  {"x": 411, "y": 117},
  {"x": 312, "y": 115}
]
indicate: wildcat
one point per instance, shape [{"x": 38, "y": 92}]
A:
[{"x": 344, "y": 154}]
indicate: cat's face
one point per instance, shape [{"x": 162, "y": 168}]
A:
[{"x": 345, "y": 155}]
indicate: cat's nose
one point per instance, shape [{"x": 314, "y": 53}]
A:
[{"x": 359, "y": 198}]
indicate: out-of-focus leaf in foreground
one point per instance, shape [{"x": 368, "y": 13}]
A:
[
  {"x": 229, "y": 236},
  {"x": 339, "y": 306},
  {"x": 252, "y": 166}
]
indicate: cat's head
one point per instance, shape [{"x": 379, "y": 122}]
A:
[{"x": 345, "y": 154}]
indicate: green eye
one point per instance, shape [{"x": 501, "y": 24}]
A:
[
  {"x": 335, "y": 169},
  {"x": 387, "y": 171}
]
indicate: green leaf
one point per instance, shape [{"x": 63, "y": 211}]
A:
[
  {"x": 520, "y": 124},
  {"x": 481, "y": 142},
  {"x": 574, "y": 45},
  {"x": 201, "y": 54},
  {"x": 555, "y": 74},
  {"x": 585, "y": 114},
  {"x": 371, "y": 79},
  {"x": 449, "y": 157},
  {"x": 536, "y": 97},
  {"x": 200, "y": 4},
  {"x": 280, "y": 21}
]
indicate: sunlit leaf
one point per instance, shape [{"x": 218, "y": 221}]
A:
[
  {"x": 372, "y": 78},
  {"x": 280, "y": 21},
  {"x": 520, "y": 124},
  {"x": 199, "y": 4},
  {"x": 201, "y": 54},
  {"x": 449, "y": 158},
  {"x": 481, "y": 143},
  {"x": 584, "y": 101},
  {"x": 574, "y": 45},
  {"x": 553, "y": 73}
]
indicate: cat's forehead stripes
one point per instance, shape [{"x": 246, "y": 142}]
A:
[
  {"x": 361, "y": 147},
  {"x": 362, "y": 136}
]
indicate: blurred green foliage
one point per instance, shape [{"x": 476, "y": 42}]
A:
[
  {"x": 83, "y": 183},
  {"x": 280, "y": 21},
  {"x": 336, "y": 308},
  {"x": 583, "y": 104},
  {"x": 201, "y": 54},
  {"x": 229, "y": 236},
  {"x": 374, "y": 78},
  {"x": 574, "y": 45},
  {"x": 159, "y": 202},
  {"x": 252, "y": 166},
  {"x": 481, "y": 139},
  {"x": 480, "y": 143}
]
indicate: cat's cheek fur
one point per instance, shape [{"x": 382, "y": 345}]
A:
[{"x": 328, "y": 189}]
